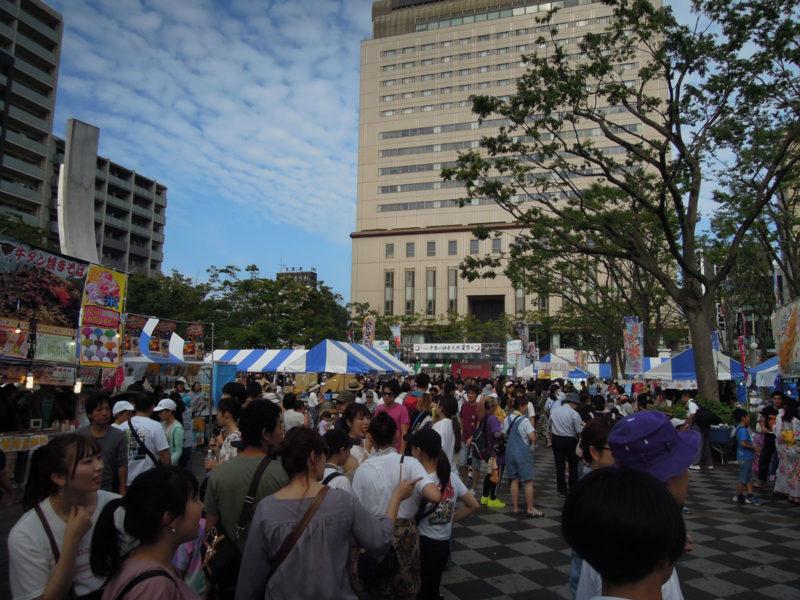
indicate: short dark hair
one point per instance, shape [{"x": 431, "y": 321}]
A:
[
  {"x": 290, "y": 401},
  {"x": 335, "y": 440},
  {"x": 235, "y": 389},
  {"x": 382, "y": 429},
  {"x": 255, "y": 418},
  {"x": 232, "y": 406},
  {"x": 143, "y": 401},
  {"x": 422, "y": 380},
  {"x": 355, "y": 410},
  {"x": 608, "y": 520},
  {"x": 739, "y": 414},
  {"x": 254, "y": 390},
  {"x": 94, "y": 400},
  {"x": 393, "y": 386}
]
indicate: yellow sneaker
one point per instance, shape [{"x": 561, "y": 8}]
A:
[
  {"x": 495, "y": 504},
  {"x": 485, "y": 500}
]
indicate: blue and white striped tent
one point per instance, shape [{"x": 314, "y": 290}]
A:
[
  {"x": 258, "y": 361},
  {"x": 681, "y": 368},
  {"x": 331, "y": 356}
]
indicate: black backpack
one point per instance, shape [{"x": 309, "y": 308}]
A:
[
  {"x": 480, "y": 445},
  {"x": 705, "y": 417}
]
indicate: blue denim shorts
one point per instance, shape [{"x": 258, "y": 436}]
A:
[{"x": 746, "y": 471}]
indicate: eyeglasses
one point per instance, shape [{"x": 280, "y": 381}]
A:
[{"x": 387, "y": 394}]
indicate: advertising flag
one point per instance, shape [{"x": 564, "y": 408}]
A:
[
  {"x": 395, "y": 329},
  {"x": 368, "y": 331},
  {"x": 100, "y": 330},
  {"x": 634, "y": 363}
]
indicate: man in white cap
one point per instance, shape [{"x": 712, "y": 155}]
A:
[{"x": 566, "y": 427}]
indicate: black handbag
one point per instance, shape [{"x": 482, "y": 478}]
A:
[
  {"x": 221, "y": 556},
  {"x": 370, "y": 568}
]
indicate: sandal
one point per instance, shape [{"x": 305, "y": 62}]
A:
[{"x": 536, "y": 514}]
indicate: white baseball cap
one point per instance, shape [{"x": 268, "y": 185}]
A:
[
  {"x": 121, "y": 406},
  {"x": 165, "y": 404}
]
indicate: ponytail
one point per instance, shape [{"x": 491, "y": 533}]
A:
[
  {"x": 429, "y": 442},
  {"x": 104, "y": 557},
  {"x": 442, "y": 467}
]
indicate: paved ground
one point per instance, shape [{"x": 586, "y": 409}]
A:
[{"x": 748, "y": 552}]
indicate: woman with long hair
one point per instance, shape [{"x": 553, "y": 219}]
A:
[
  {"x": 493, "y": 430},
  {"x": 357, "y": 418},
  {"x": 49, "y": 546},
  {"x": 161, "y": 511},
  {"x": 316, "y": 566},
  {"x": 228, "y": 413},
  {"x": 448, "y": 427},
  {"x": 436, "y": 521}
]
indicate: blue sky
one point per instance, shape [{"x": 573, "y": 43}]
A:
[{"x": 247, "y": 110}]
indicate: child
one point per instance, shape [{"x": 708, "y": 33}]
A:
[
  {"x": 745, "y": 453},
  {"x": 325, "y": 422}
]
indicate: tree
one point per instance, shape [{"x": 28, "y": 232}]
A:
[
  {"x": 172, "y": 296},
  {"x": 611, "y": 149},
  {"x": 12, "y": 225}
]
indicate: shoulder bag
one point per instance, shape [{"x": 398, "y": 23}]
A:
[
  {"x": 290, "y": 541},
  {"x": 221, "y": 556},
  {"x": 142, "y": 445}
]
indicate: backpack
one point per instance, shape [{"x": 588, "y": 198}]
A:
[
  {"x": 706, "y": 418},
  {"x": 480, "y": 443}
]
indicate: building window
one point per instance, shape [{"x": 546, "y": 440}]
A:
[
  {"x": 388, "y": 98},
  {"x": 452, "y": 248},
  {"x": 409, "y": 293},
  {"x": 484, "y": 84},
  {"x": 410, "y": 250},
  {"x": 501, "y": 35},
  {"x": 430, "y": 292},
  {"x": 465, "y": 87},
  {"x": 483, "y": 53},
  {"x": 484, "y": 69},
  {"x": 502, "y": 50},
  {"x": 464, "y": 41},
  {"x": 446, "y": 59},
  {"x": 388, "y": 293},
  {"x": 446, "y": 74},
  {"x": 452, "y": 289},
  {"x": 427, "y": 108},
  {"x": 447, "y": 44},
  {"x": 465, "y": 56},
  {"x": 519, "y": 300},
  {"x": 465, "y": 71},
  {"x": 522, "y": 48},
  {"x": 430, "y": 46},
  {"x": 387, "y": 113},
  {"x": 463, "y": 103},
  {"x": 389, "y": 250},
  {"x": 389, "y": 67},
  {"x": 503, "y": 66},
  {"x": 431, "y": 249},
  {"x": 427, "y": 61},
  {"x": 446, "y": 105},
  {"x": 497, "y": 246},
  {"x": 522, "y": 31},
  {"x": 543, "y": 303},
  {"x": 428, "y": 77},
  {"x": 409, "y": 50},
  {"x": 445, "y": 90},
  {"x": 408, "y": 65},
  {"x": 483, "y": 38},
  {"x": 408, "y": 79},
  {"x": 426, "y": 93},
  {"x": 474, "y": 246},
  {"x": 407, "y": 95},
  {"x": 408, "y": 111},
  {"x": 502, "y": 82},
  {"x": 389, "y": 52}
]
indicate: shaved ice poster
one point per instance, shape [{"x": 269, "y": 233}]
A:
[{"x": 103, "y": 298}]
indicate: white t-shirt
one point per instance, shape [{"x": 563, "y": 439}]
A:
[
  {"x": 359, "y": 453},
  {"x": 444, "y": 427},
  {"x": 292, "y": 419},
  {"x": 376, "y": 478},
  {"x": 691, "y": 407},
  {"x": 312, "y": 400},
  {"x": 522, "y": 425},
  {"x": 591, "y": 585},
  {"x": 439, "y": 524},
  {"x": 340, "y": 482},
  {"x": 31, "y": 561},
  {"x": 152, "y": 434}
]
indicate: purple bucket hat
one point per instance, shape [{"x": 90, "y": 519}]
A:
[{"x": 648, "y": 441}]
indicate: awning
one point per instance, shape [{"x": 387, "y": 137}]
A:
[
  {"x": 258, "y": 360},
  {"x": 681, "y": 368},
  {"x": 331, "y": 356}
]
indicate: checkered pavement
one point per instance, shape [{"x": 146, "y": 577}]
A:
[{"x": 740, "y": 552}]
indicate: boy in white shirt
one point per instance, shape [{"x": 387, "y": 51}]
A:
[{"x": 337, "y": 454}]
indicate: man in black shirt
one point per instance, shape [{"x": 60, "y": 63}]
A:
[{"x": 767, "y": 420}]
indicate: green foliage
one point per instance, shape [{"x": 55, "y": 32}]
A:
[
  {"x": 729, "y": 117},
  {"x": 12, "y": 225},
  {"x": 249, "y": 312}
]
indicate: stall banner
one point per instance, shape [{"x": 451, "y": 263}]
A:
[
  {"x": 634, "y": 363},
  {"x": 513, "y": 349},
  {"x": 786, "y": 329},
  {"x": 395, "y": 329},
  {"x": 193, "y": 345},
  {"x": 159, "y": 339},
  {"x": 690, "y": 384},
  {"x": 100, "y": 332},
  {"x": 382, "y": 344},
  {"x": 130, "y": 338},
  {"x": 52, "y": 375},
  {"x": 47, "y": 286},
  {"x": 13, "y": 373},
  {"x": 13, "y": 344},
  {"x": 89, "y": 375},
  {"x": 368, "y": 331},
  {"x": 448, "y": 348},
  {"x": 55, "y": 344}
]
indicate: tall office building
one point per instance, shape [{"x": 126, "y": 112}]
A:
[
  {"x": 417, "y": 72},
  {"x": 30, "y": 42}
]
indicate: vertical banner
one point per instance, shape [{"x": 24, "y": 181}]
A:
[
  {"x": 100, "y": 332},
  {"x": 522, "y": 334},
  {"x": 368, "y": 331},
  {"x": 634, "y": 363},
  {"x": 786, "y": 329},
  {"x": 193, "y": 344},
  {"x": 715, "y": 340},
  {"x": 534, "y": 351},
  {"x": 132, "y": 331},
  {"x": 513, "y": 349},
  {"x": 395, "y": 329}
]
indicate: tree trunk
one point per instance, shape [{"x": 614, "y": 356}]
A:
[{"x": 700, "y": 330}]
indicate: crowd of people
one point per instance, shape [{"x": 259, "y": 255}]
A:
[{"x": 354, "y": 495}]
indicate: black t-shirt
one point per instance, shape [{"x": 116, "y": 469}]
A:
[{"x": 769, "y": 413}]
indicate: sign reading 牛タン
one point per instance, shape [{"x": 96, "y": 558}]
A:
[{"x": 447, "y": 348}]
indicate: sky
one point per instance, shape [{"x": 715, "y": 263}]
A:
[{"x": 247, "y": 110}]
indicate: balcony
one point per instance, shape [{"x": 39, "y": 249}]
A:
[
  {"x": 36, "y": 48},
  {"x": 119, "y": 182},
  {"x": 160, "y": 219},
  {"x": 6, "y": 32},
  {"x": 23, "y": 166},
  {"x": 100, "y": 174},
  {"x": 20, "y": 90},
  {"x": 9, "y": 7},
  {"x": 139, "y": 230},
  {"x": 29, "y": 119},
  {"x": 161, "y": 200},
  {"x": 121, "y": 245},
  {"x": 44, "y": 29},
  {"x": 23, "y": 141},
  {"x": 119, "y": 223},
  {"x": 142, "y": 211},
  {"x": 113, "y": 263},
  {"x": 118, "y": 203},
  {"x": 156, "y": 255},
  {"x": 26, "y": 218},
  {"x": 22, "y": 191},
  {"x": 34, "y": 71},
  {"x": 158, "y": 237},
  {"x": 140, "y": 250},
  {"x": 144, "y": 193}
]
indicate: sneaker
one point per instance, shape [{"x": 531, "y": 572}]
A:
[
  {"x": 485, "y": 500},
  {"x": 752, "y": 500},
  {"x": 495, "y": 504},
  {"x": 710, "y": 467},
  {"x": 695, "y": 467},
  {"x": 738, "y": 501}
]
